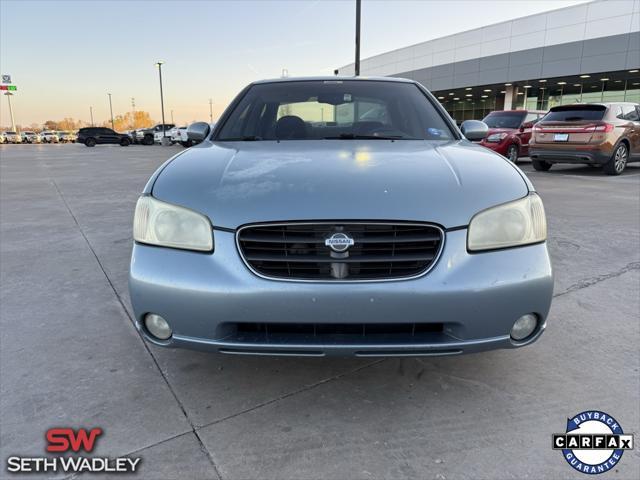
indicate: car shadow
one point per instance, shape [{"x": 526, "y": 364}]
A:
[
  {"x": 583, "y": 170},
  {"x": 214, "y": 387}
]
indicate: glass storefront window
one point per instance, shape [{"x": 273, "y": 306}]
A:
[{"x": 619, "y": 87}]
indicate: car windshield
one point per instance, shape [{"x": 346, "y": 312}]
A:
[
  {"x": 575, "y": 113},
  {"x": 504, "y": 119},
  {"x": 334, "y": 109}
]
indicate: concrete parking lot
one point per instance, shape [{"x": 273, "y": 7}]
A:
[{"x": 70, "y": 356}]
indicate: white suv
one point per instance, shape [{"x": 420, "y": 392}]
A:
[
  {"x": 12, "y": 137},
  {"x": 49, "y": 137},
  {"x": 30, "y": 137}
]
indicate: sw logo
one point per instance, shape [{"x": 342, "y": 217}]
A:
[
  {"x": 65, "y": 439},
  {"x": 593, "y": 442}
]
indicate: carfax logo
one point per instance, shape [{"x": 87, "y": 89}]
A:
[{"x": 593, "y": 442}]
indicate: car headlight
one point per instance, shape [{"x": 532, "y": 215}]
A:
[
  {"x": 512, "y": 224},
  {"x": 167, "y": 225},
  {"x": 496, "y": 137}
]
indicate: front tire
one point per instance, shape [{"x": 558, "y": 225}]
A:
[
  {"x": 147, "y": 140},
  {"x": 540, "y": 165},
  {"x": 125, "y": 142},
  {"x": 618, "y": 161},
  {"x": 90, "y": 142},
  {"x": 513, "y": 153}
]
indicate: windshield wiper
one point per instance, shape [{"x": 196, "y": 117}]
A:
[
  {"x": 353, "y": 136},
  {"x": 246, "y": 138}
]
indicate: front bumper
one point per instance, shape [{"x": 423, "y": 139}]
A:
[
  {"x": 498, "y": 147},
  {"x": 477, "y": 297}
]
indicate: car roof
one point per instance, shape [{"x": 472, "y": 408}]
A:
[
  {"x": 517, "y": 111},
  {"x": 333, "y": 79},
  {"x": 601, "y": 104}
]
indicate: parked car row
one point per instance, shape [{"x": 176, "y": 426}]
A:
[
  {"x": 46, "y": 136},
  {"x": 603, "y": 135},
  {"x": 92, "y": 136}
]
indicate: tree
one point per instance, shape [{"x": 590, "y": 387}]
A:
[
  {"x": 142, "y": 120},
  {"x": 129, "y": 121},
  {"x": 69, "y": 124}
]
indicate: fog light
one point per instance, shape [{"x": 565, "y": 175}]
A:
[
  {"x": 157, "y": 326},
  {"x": 524, "y": 326}
]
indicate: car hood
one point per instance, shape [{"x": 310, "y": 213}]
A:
[{"x": 236, "y": 183}]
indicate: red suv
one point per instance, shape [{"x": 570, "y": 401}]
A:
[{"x": 510, "y": 131}]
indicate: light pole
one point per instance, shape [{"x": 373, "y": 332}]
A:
[
  {"x": 133, "y": 112},
  {"x": 91, "y": 113},
  {"x": 210, "y": 111},
  {"x": 357, "y": 38},
  {"x": 13, "y": 122},
  {"x": 159, "y": 65},
  {"x": 111, "y": 110},
  {"x": 172, "y": 117},
  {"x": 604, "y": 81}
]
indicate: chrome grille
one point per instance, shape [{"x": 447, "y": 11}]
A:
[{"x": 380, "y": 251}]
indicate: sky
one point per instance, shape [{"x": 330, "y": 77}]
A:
[{"x": 65, "y": 56}]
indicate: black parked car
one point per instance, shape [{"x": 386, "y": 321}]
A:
[{"x": 93, "y": 136}]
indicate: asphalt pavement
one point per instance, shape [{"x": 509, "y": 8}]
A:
[{"x": 70, "y": 356}]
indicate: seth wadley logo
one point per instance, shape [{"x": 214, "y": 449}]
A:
[
  {"x": 593, "y": 442},
  {"x": 65, "y": 441}
]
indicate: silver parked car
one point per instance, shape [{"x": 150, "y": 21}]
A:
[{"x": 339, "y": 216}]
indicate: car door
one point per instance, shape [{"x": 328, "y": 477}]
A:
[
  {"x": 633, "y": 115},
  {"x": 109, "y": 136},
  {"x": 629, "y": 120},
  {"x": 524, "y": 133},
  {"x": 636, "y": 122},
  {"x": 100, "y": 135}
]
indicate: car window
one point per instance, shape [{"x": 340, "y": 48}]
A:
[
  {"x": 575, "y": 113},
  {"x": 336, "y": 109},
  {"x": 504, "y": 119},
  {"x": 628, "y": 112},
  {"x": 531, "y": 118}
]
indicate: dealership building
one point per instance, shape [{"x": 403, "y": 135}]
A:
[{"x": 584, "y": 53}]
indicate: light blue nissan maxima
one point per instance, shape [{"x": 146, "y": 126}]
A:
[{"x": 339, "y": 216}]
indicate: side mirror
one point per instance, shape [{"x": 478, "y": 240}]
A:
[
  {"x": 197, "y": 132},
  {"x": 474, "y": 129}
]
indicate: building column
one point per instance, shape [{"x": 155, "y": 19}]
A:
[{"x": 509, "y": 96}]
